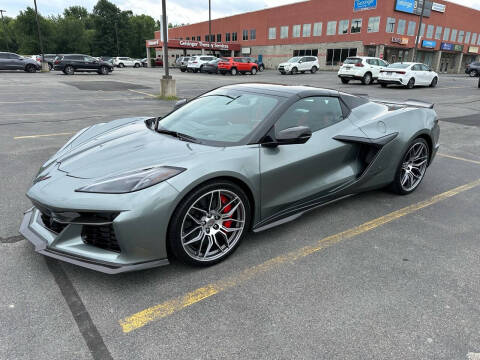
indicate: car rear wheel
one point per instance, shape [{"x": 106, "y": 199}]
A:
[
  {"x": 345, "y": 81},
  {"x": 201, "y": 68},
  {"x": 50, "y": 67},
  {"x": 121, "y": 65},
  {"x": 30, "y": 68},
  {"x": 473, "y": 73},
  {"x": 103, "y": 70},
  {"x": 434, "y": 82},
  {"x": 69, "y": 70},
  {"x": 233, "y": 71},
  {"x": 182, "y": 70},
  {"x": 367, "y": 79},
  {"x": 261, "y": 68},
  {"x": 209, "y": 223},
  {"x": 314, "y": 69},
  {"x": 411, "y": 83},
  {"x": 293, "y": 71},
  {"x": 412, "y": 168},
  {"x": 254, "y": 71},
  {"x": 137, "y": 65}
]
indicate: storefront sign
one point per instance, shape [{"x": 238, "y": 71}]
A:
[
  {"x": 458, "y": 48},
  {"x": 438, "y": 7},
  {"x": 446, "y": 46},
  {"x": 192, "y": 44},
  {"x": 398, "y": 40},
  {"x": 414, "y": 7},
  {"x": 429, "y": 44},
  {"x": 359, "y": 5},
  {"x": 152, "y": 43},
  {"x": 473, "y": 49},
  {"x": 246, "y": 50}
]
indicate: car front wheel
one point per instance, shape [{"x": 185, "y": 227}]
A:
[
  {"x": 344, "y": 81},
  {"x": 103, "y": 70},
  {"x": 69, "y": 70},
  {"x": 411, "y": 83},
  {"x": 473, "y": 73},
  {"x": 254, "y": 70},
  {"x": 434, "y": 82},
  {"x": 233, "y": 71},
  {"x": 209, "y": 223},
  {"x": 412, "y": 168},
  {"x": 294, "y": 71},
  {"x": 261, "y": 68},
  {"x": 30, "y": 68},
  {"x": 367, "y": 79},
  {"x": 314, "y": 69}
]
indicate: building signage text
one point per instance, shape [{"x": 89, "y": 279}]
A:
[
  {"x": 398, "y": 40},
  {"x": 194, "y": 44},
  {"x": 429, "y": 44},
  {"x": 438, "y": 7},
  {"x": 473, "y": 49},
  {"x": 359, "y": 5},
  {"x": 414, "y": 7}
]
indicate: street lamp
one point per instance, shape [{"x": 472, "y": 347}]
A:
[
  {"x": 168, "y": 88},
  {"x": 44, "y": 65}
]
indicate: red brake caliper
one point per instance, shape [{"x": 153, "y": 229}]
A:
[{"x": 224, "y": 200}]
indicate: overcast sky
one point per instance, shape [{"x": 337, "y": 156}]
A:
[{"x": 179, "y": 11}]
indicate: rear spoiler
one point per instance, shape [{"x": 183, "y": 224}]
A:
[{"x": 408, "y": 102}]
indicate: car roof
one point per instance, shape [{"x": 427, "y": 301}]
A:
[{"x": 282, "y": 90}]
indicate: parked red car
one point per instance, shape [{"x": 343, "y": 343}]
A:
[
  {"x": 237, "y": 65},
  {"x": 158, "y": 61}
]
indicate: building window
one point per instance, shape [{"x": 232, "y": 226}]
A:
[
  {"x": 373, "y": 24},
  {"x": 461, "y": 33},
  {"x": 272, "y": 33},
  {"x": 331, "y": 28},
  {"x": 296, "y": 31},
  {"x": 478, "y": 39},
  {"x": 234, "y": 36},
  {"x": 343, "y": 27},
  {"x": 245, "y": 35},
  {"x": 206, "y": 37},
  {"x": 219, "y": 37},
  {"x": 336, "y": 56},
  {"x": 411, "y": 28},
  {"x": 430, "y": 31},
  {"x": 390, "y": 25},
  {"x": 467, "y": 37},
  {"x": 227, "y": 37},
  {"x": 253, "y": 34},
  {"x": 307, "y": 30},
  {"x": 187, "y": 38},
  {"x": 474, "y": 38},
  {"x": 305, "y": 52},
  {"x": 438, "y": 33},
  {"x": 356, "y": 26},
  {"x": 283, "y": 32},
  {"x": 446, "y": 34},
  {"x": 401, "y": 27},
  {"x": 198, "y": 38},
  {"x": 317, "y": 29},
  {"x": 454, "y": 35}
]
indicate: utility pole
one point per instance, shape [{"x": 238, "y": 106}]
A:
[
  {"x": 44, "y": 65},
  {"x": 414, "y": 55},
  {"x": 210, "y": 25},
  {"x": 168, "y": 88},
  {"x": 5, "y": 28}
]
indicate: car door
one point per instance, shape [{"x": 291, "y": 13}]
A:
[
  {"x": 15, "y": 62},
  {"x": 294, "y": 175},
  {"x": 417, "y": 73},
  {"x": 428, "y": 74},
  {"x": 303, "y": 64},
  {"x": 4, "y": 61},
  {"x": 89, "y": 63},
  {"x": 374, "y": 67}
]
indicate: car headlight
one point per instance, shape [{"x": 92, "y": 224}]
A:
[{"x": 132, "y": 181}]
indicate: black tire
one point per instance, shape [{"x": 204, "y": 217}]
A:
[
  {"x": 183, "y": 70},
  {"x": 313, "y": 70},
  {"x": 302, "y": 72},
  {"x": 253, "y": 71},
  {"x": 410, "y": 84},
  {"x": 69, "y": 70},
  {"x": 345, "y": 81},
  {"x": 233, "y": 71},
  {"x": 137, "y": 65},
  {"x": 30, "y": 68},
  {"x": 367, "y": 79},
  {"x": 473, "y": 73},
  {"x": 261, "y": 68},
  {"x": 121, "y": 65},
  {"x": 293, "y": 71},
  {"x": 195, "y": 71},
  {"x": 434, "y": 82},
  {"x": 103, "y": 70},
  {"x": 201, "y": 68},
  {"x": 396, "y": 185},
  {"x": 175, "y": 226},
  {"x": 383, "y": 85},
  {"x": 50, "y": 67},
  {"x": 282, "y": 72}
]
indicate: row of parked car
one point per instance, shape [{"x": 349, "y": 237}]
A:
[{"x": 222, "y": 65}]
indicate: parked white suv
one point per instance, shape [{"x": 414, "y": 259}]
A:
[
  {"x": 363, "y": 68},
  {"x": 126, "y": 61},
  {"x": 299, "y": 64},
  {"x": 195, "y": 63}
]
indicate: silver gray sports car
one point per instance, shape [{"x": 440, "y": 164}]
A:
[{"x": 128, "y": 194}]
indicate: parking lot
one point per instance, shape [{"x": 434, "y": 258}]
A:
[{"x": 375, "y": 276}]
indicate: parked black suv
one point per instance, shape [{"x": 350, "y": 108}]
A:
[
  {"x": 473, "y": 69},
  {"x": 77, "y": 62},
  {"x": 11, "y": 61}
]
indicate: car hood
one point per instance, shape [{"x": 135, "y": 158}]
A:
[
  {"x": 121, "y": 146},
  {"x": 285, "y": 64}
]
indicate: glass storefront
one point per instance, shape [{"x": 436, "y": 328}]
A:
[{"x": 393, "y": 55}]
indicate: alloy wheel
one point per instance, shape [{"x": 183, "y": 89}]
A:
[
  {"x": 213, "y": 225},
  {"x": 473, "y": 73},
  {"x": 414, "y": 166}
]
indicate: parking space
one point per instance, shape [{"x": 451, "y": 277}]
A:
[{"x": 374, "y": 276}]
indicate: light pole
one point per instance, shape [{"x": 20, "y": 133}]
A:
[
  {"x": 210, "y": 25},
  {"x": 168, "y": 88},
  {"x": 5, "y": 28},
  {"x": 414, "y": 55},
  {"x": 116, "y": 37},
  {"x": 44, "y": 65}
]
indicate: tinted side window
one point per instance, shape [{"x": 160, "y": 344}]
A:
[
  {"x": 425, "y": 68},
  {"x": 416, "y": 67},
  {"x": 317, "y": 112},
  {"x": 13, "y": 56},
  {"x": 3, "y": 56}
]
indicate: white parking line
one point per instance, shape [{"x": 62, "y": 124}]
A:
[{"x": 141, "y": 92}]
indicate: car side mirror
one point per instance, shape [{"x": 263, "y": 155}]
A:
[
  {"x": 179, "y": 104},
  {"x": 294, "y": 135}
]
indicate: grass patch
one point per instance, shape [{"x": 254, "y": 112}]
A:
[{"x": 167, "y": 98}]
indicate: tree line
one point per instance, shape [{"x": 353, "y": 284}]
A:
[{"x": 106, "y": 31}]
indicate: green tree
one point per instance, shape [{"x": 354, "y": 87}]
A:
[{"x": 25, "y": 30}]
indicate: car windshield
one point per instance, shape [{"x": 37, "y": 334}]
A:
[
  {"x": 398, "y": 66},
  {"x": 224, "y": 117},
  {"x": 294, "y": 59},
  {"x": 352, "y": 61}
]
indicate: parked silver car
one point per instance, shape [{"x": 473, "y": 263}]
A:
[{"x": 11, "y": 61}]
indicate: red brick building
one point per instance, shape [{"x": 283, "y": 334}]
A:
[{"x": 335, "y": 29}]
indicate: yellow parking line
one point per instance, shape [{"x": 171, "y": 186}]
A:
[
  {"x": 459, "y": 158},
  {"x": 42, "y": 135},
  {"x": 169, "y": 307},
  {"x": 141, "y": 92}
]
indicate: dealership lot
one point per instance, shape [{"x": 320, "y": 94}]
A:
[{"x": 373, "y": 276}]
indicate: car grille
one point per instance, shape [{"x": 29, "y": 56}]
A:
[
  {"x": 281, "y": 68},
  {"x": 51, "y": 224},
  {"x": 101, "y": 236}
]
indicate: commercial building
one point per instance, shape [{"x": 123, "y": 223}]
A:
[{"x": 334, "y": 29}]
